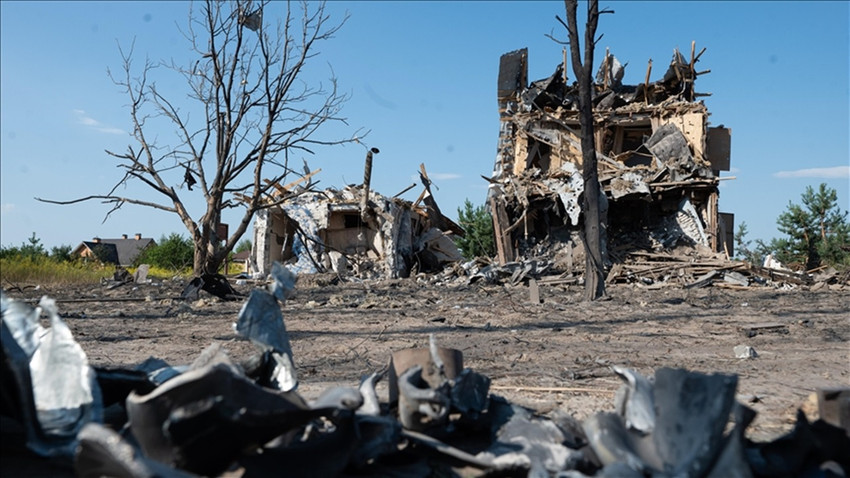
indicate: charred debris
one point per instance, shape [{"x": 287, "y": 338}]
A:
[
  {"x": 215, "y": 417},
  {"x": 659, "y": 169},
  {"x": 355, "y": 232},
  {"x": 659, "y": 158},
  {"x": 659, "y": 166}
]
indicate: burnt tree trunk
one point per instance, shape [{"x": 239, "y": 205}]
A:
[{"x": 594, "y": 266}]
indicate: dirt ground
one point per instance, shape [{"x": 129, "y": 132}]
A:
[{"x": 550, "y": 355}]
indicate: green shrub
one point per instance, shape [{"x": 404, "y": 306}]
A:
[
  {"x": 244, "y": 245},
  {"x": 174, "y": 253},
  {"x": 479, "y": 240},
  {"x": 61, "y": 253}
]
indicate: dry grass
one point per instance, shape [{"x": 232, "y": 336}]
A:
[
  {"x": 23, "y": 271},
  {"x": 19, "y": 272}
]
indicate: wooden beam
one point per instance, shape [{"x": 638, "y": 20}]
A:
[
  {"x": 564, "y": 51},
  {"x": 277, "y": 186},
  {"x": 646, "y": 82},
  {"x": 497, "y": 231},
  {"x": 713, "y": 226},
  {"x": 692, "y": 76},
  {"x": 421, "y": 197},
  {"x": 405, "y": 190},
  {"x": 696, "y": 58},
  {"x": 302, "y": 178},
  {"x": 504, "y": 247}
]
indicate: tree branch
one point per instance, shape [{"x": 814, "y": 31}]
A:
[{"x": 255, "y": 114}]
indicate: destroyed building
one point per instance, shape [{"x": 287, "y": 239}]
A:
[
  {"x": 340, "y": 231},
  {"x": 659, "y": 162}
]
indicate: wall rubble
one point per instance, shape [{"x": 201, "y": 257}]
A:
[{"x": 659, "y": 163}]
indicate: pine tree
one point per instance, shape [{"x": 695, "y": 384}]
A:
[
  {"x": 817, "y": 232},
  {"x": 478, "y": 225}
]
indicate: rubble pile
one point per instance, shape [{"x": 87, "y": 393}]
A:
[
  {"x": 215, "y": 417},
  {"x": 356, "y": 233},
  {"x": 659, "y": 164},
  {"x": 684, "y": 267}
]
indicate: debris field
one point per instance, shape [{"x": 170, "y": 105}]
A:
[{"x": 553, "y": 360}]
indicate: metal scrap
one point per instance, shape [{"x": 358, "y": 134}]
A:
[
  {"x": 261, "y": 321},
  {"x": 48, "y": 383},
  {"x": 691, "y": 412},
  {"x": 214, "y": 416}
]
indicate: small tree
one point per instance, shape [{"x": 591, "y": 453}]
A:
[
  {"x": 244, "y": 245},
  {"x": 816, "y": 232},
  {"x": 744, "y": 250},
  {"x": 249, "y": 110},
  {"x": 33, "y": 249},
  {"x": 61, "y": 253},
  {"x": 479, "y": 240},
  {"x": 174, "y": 252}
]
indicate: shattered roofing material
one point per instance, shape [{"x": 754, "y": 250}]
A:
[
  {"x": 309, "y": 214},
  {"x": 261, "y": 321},
  {"x": 57, "y": 392},
  {"x": 319, "y": 231}
]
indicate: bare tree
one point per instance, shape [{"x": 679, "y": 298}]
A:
[
  {"x": 250, "y": 111},
  {"x": 594, "y": 267}
]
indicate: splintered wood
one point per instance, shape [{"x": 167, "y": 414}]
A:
[{"x": 681, "y": 270}]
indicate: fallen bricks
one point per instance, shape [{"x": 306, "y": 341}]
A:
[{"x": 215, "y": 416}]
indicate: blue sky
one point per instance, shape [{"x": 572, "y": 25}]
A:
[{"x": 422, "y": 78}]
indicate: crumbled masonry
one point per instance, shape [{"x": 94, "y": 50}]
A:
[
  {"x": 216, "y": 416},
  {"x": 659, "y": 163},
  {"x": 355, "y": 232}
]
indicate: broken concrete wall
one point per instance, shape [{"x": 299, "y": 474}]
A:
[
  {"x": 325, "y": 232},
  {"x": 659, "y": 162}
]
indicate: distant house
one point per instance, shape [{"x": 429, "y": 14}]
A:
[
  {"x": 121, "y": 252},
  {"x": 241, "y": 259}
]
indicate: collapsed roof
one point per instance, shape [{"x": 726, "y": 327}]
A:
[
  {"x": 659, "y": 163},
  {"x": 331, "y": 231}
]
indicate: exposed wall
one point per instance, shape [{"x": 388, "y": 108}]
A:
[
  {"x": 659, "y": 178},
  {"x": 320, "y": 232}
]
